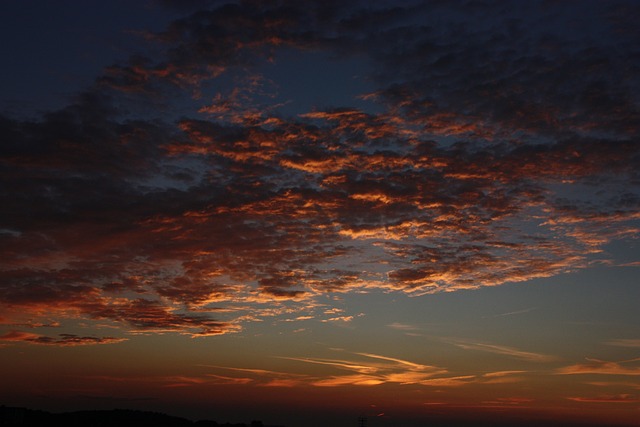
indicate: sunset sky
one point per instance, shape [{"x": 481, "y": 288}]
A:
[{"x": 307, "y": 211}]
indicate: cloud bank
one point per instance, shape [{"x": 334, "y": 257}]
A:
[{"x": 177, "y": 195}]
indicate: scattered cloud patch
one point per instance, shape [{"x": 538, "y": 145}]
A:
[
  {"x": 63, "y": 340},
  {"x": 196, "y": 219},
  {"x": 602, "y": 367}
]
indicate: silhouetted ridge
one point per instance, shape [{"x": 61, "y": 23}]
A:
[
  {"x": 120, "y": 417},
  {"x": 12, "y": 416}
]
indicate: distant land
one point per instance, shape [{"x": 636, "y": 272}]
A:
[
  {"x": 14, "y": 416},
  {"x": 24, "y": 417}
]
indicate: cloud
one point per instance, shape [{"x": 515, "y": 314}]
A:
[
  {"x": 601, "y": 367},
  {"x": 513, "y": 313},
  {"x": 360, "y": 369},
  {"x": 367, "y": 373},
  {"x": 509, "y": 401},
  {"x": 616, "y": 384},
  {"x": 631, "y": 264},
  {"x": 32, "y": 325},
  {"x": 260, "y": 377},
  {"x": 403, "y": 327},
  {"x": 149, "y": 316},
  {"x": 338, "y": 319},
  {"x": 624, "y": 342},
  {"x": 617, "y": 398},
  {"x": 177, "y": 195},
  {"x": 504, "y": 350},
  {"x": 499, "y": 377},
  {"x": 63, "y": 340}
]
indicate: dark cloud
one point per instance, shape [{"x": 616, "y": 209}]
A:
[
  {"x": 62, "y": 340},
  {"x": 492, "y": 137}
]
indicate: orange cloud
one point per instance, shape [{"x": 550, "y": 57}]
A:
[
  {"x": 389, "y": 370},
  {"x": 507, "y": 351},
  {"x": 236, "y": 209},
  {"x": 63, "y": 340},
  {"x": 358, "y": 380},
  {"x": 601, "y": 367},
  {"x": 339, "y": 319},
  {"x": 617, "y": 398},
  {"x": 260, "y": 377}
]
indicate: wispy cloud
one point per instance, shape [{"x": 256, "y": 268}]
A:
[
  {"x": 617, "y": 384},
  {"x": 509, "y": 401},
  {"x": 390, "y": 370},
  {"x": 499, "y": 377},
  {"x": 607, "y": 398},
  {"x": 513, "y": 313},
  {"x": 504, "y": 350},
  {"x": 342, "y": 364},
  {"x": 258, "y": 377},
  {"x": 403, "y": 327},
  {"x": 625, "y": 342},
  {"x": 602, "y": 367},
  {"x": 360, "y": 370}
]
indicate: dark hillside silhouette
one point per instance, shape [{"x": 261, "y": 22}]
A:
[{"x": 23, "y": 417}]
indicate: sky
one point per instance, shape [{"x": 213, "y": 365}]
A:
[{"x": 305, "y": 212}]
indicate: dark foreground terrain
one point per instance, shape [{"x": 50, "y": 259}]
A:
[
  {"x": 11, "y": 416},
  {"x": 23, "y": 417}
]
